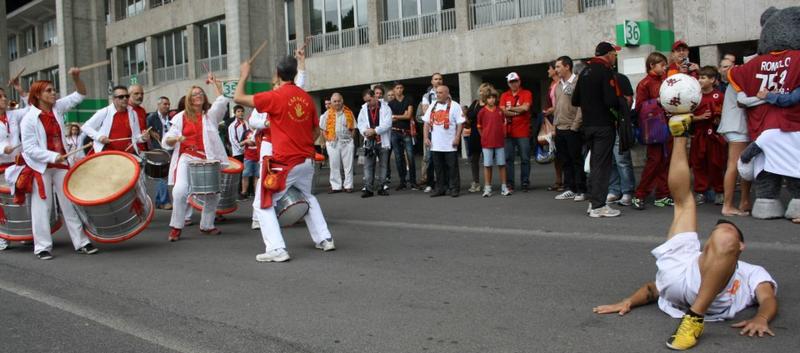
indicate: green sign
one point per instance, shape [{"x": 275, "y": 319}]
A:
[
  {"x": 134, "y": 80},
  {"x": 632, "y": 33},
  {"x": 661, "y": 39},
  {"x": 229, "y": 88}
]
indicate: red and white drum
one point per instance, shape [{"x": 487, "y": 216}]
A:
[
  {"x": 229, "y": 189},
  {"x": 110, "y": 196},
  {"x": 15, "y": 220}
]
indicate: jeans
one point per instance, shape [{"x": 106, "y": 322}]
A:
[
  {"x": 600, "y": 140},
  {"x": 623, "y": 180},
  {"x": 162, "y": 193},
  {"x": 447, "y": 175},
  {"x": 523, "y": 146},
  {"x": 402, "y": 143},
  {"x": 569, "y": 150},
  {"x": 370, "y": 172}
]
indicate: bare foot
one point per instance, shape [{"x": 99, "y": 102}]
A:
[
  {"x": 745, "y": 207},
  {"x": 734, "y": 212},
  {"x": 796, "y": 221}
]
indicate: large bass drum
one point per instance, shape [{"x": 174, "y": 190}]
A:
[
  {"x": 109, "y": 195},
  {"x": 229, "y": 189},
  {"x": 291, "y": 208},
  {"x": 15, "y": 220}
]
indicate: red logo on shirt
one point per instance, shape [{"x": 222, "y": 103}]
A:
[
  {"x": 297, "y": 109},
  {"x": 734, "y": 288}
]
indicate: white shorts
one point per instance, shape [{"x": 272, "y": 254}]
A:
[
  {"x": 678, "y": 276},
  {"x": 736, "y": 137}
]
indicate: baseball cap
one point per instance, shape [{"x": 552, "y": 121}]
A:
[
  {"x": 512, "y": 77},
  {"x": 678, "y": 44},
  {"x": 605, "y": 47}
]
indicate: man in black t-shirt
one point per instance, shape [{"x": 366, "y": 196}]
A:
[{"x": 402, "y": 137}]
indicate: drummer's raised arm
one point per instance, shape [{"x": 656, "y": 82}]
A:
[
  {"x": 240, "y": 97},
  {"x": 70, "y": 101}
]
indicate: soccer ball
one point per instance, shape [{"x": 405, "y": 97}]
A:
[{"x": 680, "y": 94}]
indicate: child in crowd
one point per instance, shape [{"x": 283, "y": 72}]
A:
[
  {"x": 491, "y": 125},
  {"x": 708, "y": 155},
  {"x": 251, "y": 153},
  {"x": 654, "y": 175}
]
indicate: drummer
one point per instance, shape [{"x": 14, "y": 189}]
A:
[
  {"x": 135, "y": 101},
  {"x": 9, "y": 132},
  {"x": 294, "y": 125},
  {"x": 188, "y": 137},
  {"x": 43, "y": 152},
  {"x": 116, "y": 127}
]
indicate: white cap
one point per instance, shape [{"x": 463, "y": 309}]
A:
[{"x": 512, "y": 77}]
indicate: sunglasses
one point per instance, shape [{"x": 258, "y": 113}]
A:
[{"x": 123, "y": 96}]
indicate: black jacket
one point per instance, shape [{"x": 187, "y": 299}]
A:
[
  {"x": 596, "y": 94},
  {"x": 154, "y": 123}
]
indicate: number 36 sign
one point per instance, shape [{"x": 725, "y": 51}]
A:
[{"x": 632, "y": 33}]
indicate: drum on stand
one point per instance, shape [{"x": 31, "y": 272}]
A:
[
  {"x": 110, "y": 196},
  {"x": 291, "y": 208},
  {"x": 17, "y": 225},
  {"x": 156, "y": 163},
  {"x": 229, "y": 189},
  {"x": 204, "y": 177}
]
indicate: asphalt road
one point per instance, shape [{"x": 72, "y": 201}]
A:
[{"x": 410, "y": 274}]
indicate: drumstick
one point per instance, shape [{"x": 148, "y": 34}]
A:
[
  {"x": 78, "y": 149},
  {"x": 16, "y": 77},
  {"x": 92, "y": 66},
  {"x": 258, "y": 51}
]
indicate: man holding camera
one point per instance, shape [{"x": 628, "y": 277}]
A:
[
  {"x": 680, "y": 61},
  {"x": 375, "y": 125}
]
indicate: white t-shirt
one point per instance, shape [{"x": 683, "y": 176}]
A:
[
  {"x": 681, "y": 253},
  {"x": 441, "y": 138}
]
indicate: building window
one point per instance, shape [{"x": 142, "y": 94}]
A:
[
  {"x": 12, "y": 48},
  {"x": 337, "y": 24},
  {"x": 486, "y": 13},
  {"x": 412, "y": 19},
  {"x": 213, "y": 48},
  {"x": 50, "y": 35},
  {"x": 51, "y": 75},
  {"x": 133, "y": 7},
  {"x": 288, "y": 10},
  {"x": 30, "y": 40},
  {"x": 157, "y": 3},
  {"x": 28, "y": 80},
  {"x": 133, "y": 64},
  {"x": 171, "y": 59}
]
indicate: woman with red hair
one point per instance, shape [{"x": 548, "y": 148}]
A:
[
  {"x": 193, "y": 135},
  {"x": 43, "y": 151}
]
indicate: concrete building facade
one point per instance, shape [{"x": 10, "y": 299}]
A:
[{"x": 169, "y": 45}]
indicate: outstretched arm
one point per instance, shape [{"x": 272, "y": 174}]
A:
[
  {"x": 239, "y": 96},
  {"x": 647, "y": 294},
  {"x": 767, "y": 309},
  {"x": 680, "y": 186}
]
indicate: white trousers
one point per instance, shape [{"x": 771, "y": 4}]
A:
[
  {"x": 300, "y": 177},
  {"x": 40, "y": 212},
  {"x": 180, "y": 195},
  {"x": 340, "y": 153}
]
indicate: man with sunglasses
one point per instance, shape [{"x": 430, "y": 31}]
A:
[{"x": 116, "y": 127}]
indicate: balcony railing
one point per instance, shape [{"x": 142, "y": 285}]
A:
[
  {"x": 595, "y": 4},
  {"x": 348, "y": 38},
  {"x": 139, "y": 78},
  {"x": 510, "y": 11},
  {"x": 291, "y": 46},
  {"x": 171, "y": 73},
  {"x": 215, "y": 64},
  {"x": 423, "y": 26}
]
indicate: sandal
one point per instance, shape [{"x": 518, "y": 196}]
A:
[{"x": 556, "y": 187}]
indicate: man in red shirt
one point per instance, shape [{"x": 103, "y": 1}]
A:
[
  {"x": 116, "y": 127},
  {"x": 680, "y": 61},
  {"x": 137, "y": 97},
  {"x": 516, "y": 106},
  {"x": 294, "y": 126}
]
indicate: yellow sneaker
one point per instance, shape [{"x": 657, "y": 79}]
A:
[
  {"x": 686, "y": 335},
  {"x": 679, "y": 124}
]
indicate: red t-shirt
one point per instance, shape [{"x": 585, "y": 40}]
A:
[
  {"x": 492, "y": 127},
  {"x": 673, "y": 69},
  {"x": 778, "y": 71},
  {"x": 292, "y": 118},
  {"x": 520, "y": 124},
  {"x": 193, "y": 132},
  {"x": 120, "y": 128},
  {"x": 251, "y": 152},
  {"x": 648, "y": 88},
  {"x": 712, "y": 102},
  {"x": 53, "y": 132}
]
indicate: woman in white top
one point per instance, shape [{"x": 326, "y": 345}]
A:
[
  {"x": 74, "y": 140},
  {"x": 9, "y": 133}
]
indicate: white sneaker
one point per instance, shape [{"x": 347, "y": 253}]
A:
[
  {"x": 255, "y": 224},
  {"x": 605, "y": 211},
  {"x": 589, "y": 209},
  {"x": 504, "y": 191},
  {"x": 699, "y": 199},
  {"x": 487, "y": 191},
  {"x": 326, "y": 245},
  {"x": 428, "y": 189},
  {"x": 580, "y": 197},
  {"x": 611, "y": 198},
  {"x": 3, "y": 244},
  {"x": 566, "y": 195},
  {"x": 277, "y": 255},
  {"x": 719, "y": 199},
  {"x": 626, "y": 200}
]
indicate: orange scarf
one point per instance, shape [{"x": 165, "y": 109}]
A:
[{"x": 330, "y": 124}]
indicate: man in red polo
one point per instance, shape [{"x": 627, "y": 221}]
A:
[
  {"x": 294, "y": 126},
  {"x": 516, "y": 106}
]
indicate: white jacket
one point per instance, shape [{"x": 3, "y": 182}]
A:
[
  {"x": 384, "y": 128},
  {"x": 9, "y": 134},
  {"x": 100, "y": 125},
  {"x": 235, "y": 137},
  {"x": 212, "y": 143},
  {"x": 34, "y": 138}
]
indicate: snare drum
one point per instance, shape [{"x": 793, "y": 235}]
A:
[
  {"x": 109, "y": 194},
  {"x": 156, "y": 163},
  {"x": 291, "y": 208},
  {"x": 17, "y": 225},
  {"x": 229, "y": 189},
  {"x": 204, "y": 177}
]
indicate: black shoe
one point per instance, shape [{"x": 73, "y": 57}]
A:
[
  {"x": 44, "y": 255},
  {"x": 454, "y": 194},
  {"x": 525, "y": 188},
  {"x": 437, "y": 194},
  {"x": 243, "y": 197},
  {"x": 383, "y": 192},
  {"x": 366, "y": 194},
  {"x": 334, "y": 191},
  {"x": 87, "y": 249},
  {"x": 400, "y": 187}
]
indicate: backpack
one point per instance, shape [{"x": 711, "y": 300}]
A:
[{"x": 652, "y": 123}]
